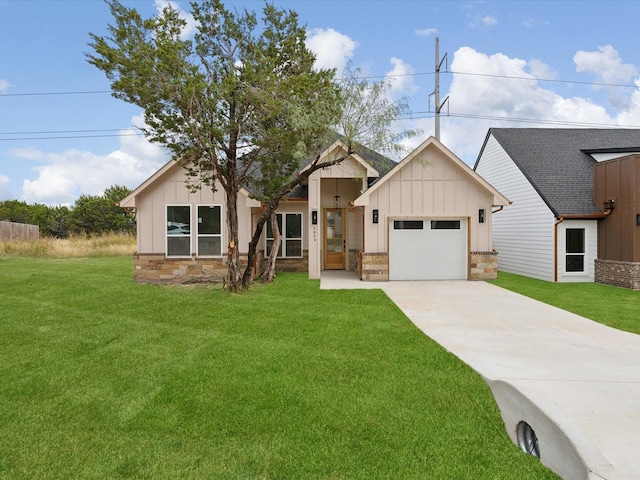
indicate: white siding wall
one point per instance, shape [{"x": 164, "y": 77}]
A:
[
  {"x": 591, "y": 253},
  {"x": 523, "y": 233}
]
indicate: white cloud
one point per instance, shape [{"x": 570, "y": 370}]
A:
[
  {"x": 333, "y": 49},
  {"x": 400, "y": 77},
  {"x": 630, "y": 115},
  {"x": 605, "y": 64},
  {"x": 492, "y": 93},
  {"x": 62, "y": 177},
  {"x": 190, "y": 27},
  {"x": 4, "y": 190},
  {"x": 607, "y": 67},
  {"x": 4, "y": 85},
  {"x": 488, "y": 21},
  {"x": 426, "y": 32},
  {"x": 541, "y": 70},
  {"x": 532, "y": 23}
]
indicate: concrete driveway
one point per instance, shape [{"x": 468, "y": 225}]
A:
[{"x": 573, "y": 382}]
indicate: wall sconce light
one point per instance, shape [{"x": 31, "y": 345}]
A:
[
  {"x": 375, "y": 215},
  {"x": 609, "y": 204},
  {"x": 314, "y": 217},
  {"x": 481, "y": 215},
  {"x": 336, "y": 201}
]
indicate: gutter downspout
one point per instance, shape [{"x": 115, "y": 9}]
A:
[{"x": 555, "y": 248}]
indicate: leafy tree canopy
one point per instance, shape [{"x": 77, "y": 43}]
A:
[{"x": 239, "y": 103}]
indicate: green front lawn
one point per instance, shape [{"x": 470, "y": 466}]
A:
[
  {"x": 613, "y": 306},
  {"x": 102, "y": 378}
]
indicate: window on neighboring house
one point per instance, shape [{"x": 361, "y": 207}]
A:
[
  {"x": 178, "y": 230},
  {"x": 290, "y": 226},
  {"x": 575, "y": 250},
  {"x": 209, "y": 231}
]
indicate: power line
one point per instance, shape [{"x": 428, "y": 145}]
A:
[
  {"x": 398, "y": 75},
  {"x": 42, "y": 94},
  {"x": 566, "y": 123},
  {"x": 64, "y": 137},
  {"x": 46, "y": 132}
]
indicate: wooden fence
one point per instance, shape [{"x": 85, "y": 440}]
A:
[{"x": 18, "y": 231}]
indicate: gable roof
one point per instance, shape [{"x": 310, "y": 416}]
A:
[
  {"x": 557, "y": 163},
  {"x": 498, "y": 198},
  {"x": 130, "y": 200},
  {"x": 374, "y": 164}
]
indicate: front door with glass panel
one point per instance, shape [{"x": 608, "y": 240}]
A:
[{"x": 334, "y": 240}]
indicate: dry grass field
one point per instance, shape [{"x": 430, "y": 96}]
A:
[{"x": 111, "y": 245}]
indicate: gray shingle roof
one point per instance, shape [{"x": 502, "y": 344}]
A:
[{"x": 557, "y": 162}]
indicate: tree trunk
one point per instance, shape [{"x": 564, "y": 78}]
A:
[
  {"x": 270, "y": 267},
  {"x": 247, "y": 277},
  {"x": 234, "y": 272}
]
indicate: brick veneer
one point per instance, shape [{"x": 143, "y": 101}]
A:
[{"x": 619, "y": 274}]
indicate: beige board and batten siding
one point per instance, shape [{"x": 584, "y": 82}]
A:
[
  {"x": 523, "y": 233},
  {"x": 170, "y": 189},
  {"x": 429, "y": 186}
]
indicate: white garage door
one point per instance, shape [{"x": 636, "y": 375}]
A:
[{"x": 428, "y": 249}]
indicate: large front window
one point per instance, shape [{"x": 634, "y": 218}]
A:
[
  {"x": 209, "y": 231},
  {"x": 575, "y": 250},
  {"x": 290, "y": 226},
  {"x": 178, "y": 230}
]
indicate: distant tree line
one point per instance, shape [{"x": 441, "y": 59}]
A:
[{"x": 90, "y": 215}]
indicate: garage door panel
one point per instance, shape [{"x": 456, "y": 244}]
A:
[{"x": 428, "y": 249}]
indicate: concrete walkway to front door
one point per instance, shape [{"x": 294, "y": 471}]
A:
[{"x": 574, "y": 382}]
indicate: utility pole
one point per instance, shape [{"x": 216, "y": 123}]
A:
[{"x": 436, "y": 92}]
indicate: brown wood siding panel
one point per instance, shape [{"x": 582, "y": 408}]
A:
[{"x": 619, "y": 237}]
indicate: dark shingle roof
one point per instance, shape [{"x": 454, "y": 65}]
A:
[{"x": 557, "y": 162}]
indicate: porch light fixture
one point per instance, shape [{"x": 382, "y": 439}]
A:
[
  {"x": 481, "y": 215},
  {"x": 609, "y": 204},
  {"x": 375, "y": 215},
  {"x": 336, "y": 201}
]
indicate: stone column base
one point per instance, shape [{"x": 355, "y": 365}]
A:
[
  {"x": 483, "y": 265},
  {"x": 374, "y": 267}
]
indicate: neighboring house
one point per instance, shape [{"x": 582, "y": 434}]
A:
[
  {"x": 427, "y": 217},
  {"x": 576, "y": 200}
]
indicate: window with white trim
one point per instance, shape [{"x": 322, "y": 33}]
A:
[
  {"x": 209, "y": 230},
  {"x": 575, "y": 250},
  {"x": 290, "y": 226},
  {"x": 178, "y": 230}
]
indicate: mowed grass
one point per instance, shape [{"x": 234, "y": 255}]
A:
[
  {"x": 102, "y": 378},
  {"x": 613, "y": 306}
]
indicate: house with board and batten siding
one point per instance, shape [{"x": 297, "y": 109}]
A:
[
  {"x": 568, "y": 222},
  {"x": 427, "y": 217}
]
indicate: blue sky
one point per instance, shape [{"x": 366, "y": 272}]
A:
[{"x": 509, "y": 63}]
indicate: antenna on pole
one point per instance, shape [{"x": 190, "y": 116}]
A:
[{"x": 436, "y": 92}]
